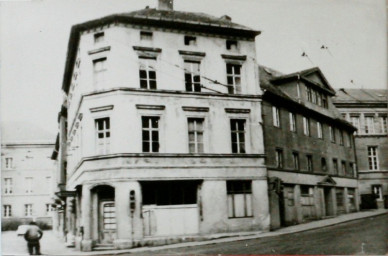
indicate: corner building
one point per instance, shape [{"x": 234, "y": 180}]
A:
[
  {"x": 310, "y": 149},
  {"x": 163, "y": 135}
]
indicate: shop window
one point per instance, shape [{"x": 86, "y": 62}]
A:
[
  {"x": 239, "y": 199},
  {"x": 169, "y": 192}
]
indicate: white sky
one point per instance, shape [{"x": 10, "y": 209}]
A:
[{"x": 34, "y": 37}]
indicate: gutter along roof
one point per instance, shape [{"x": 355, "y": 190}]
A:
[
  {"x": 271, "y": 91},
  {"x": 189, "y": 21}
]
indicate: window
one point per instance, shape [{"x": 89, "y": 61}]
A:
[
  {"x": 343, "y": 168},
  {"x": 350, "y": 170},
  {"x": 195, "y": 135},
  {"x": 28, "y": 185},
  {"x": 190, "y": 40},
  {"x": 319, "y": 130},
  {"x": 383, "y": 123},
  {"x": 145, "y": 36},
  {"x": 372, "y": 158},
  {"x": 99, "y": 67},
  {"x": 192, "y": 76},
  {"x": 306, "y": 126},
  {"x": 28, "y": 210},
  {"x": 332, "y": 134},
  {"x": 150, "y": 133},
  {"x": 295, "y": 160},
  {"x": 275, "y": 116},
  {"x": 169, "y": 192},
  {"x": 309, "y": 93},
  {"x": 292, "y": 122},
  {"x": 49, "y": 208},
  {"x": 309, "y": 159},
  {"x": 279, "y": 158},
  {"x": 8, "y": 163},
  {"x": 355, "y": 120},
  {"x": 377, "y": 191},
  {"x": 233, "y": 75},
  {"x": 319, "y": 99},
  {"x": 339, "y": 194},
  {"x": 306, "y": 195},
  {"x": 313, "y": 96},
  {"x": 238, "y": 135},
  {"x": 239, "y": 199},
  {"x": 351, "y": 200},
  {"x": 99, "y": 37},
  {"x": 231, "y": 44},
  {"x": 102, "y": 128},
  {"x": 369, "y": 125},
  {"x": 147, "y": 73},
  {"x": 348, "y": 139},
  {"x": 324, "y": 101},
  {"x": 323, "y": 164},
  {"x": 8, "y": 186},
  {"x": 341, "y": 137},
  {"x": 335, "y": 166},
  {"x": 7, "y": 210}
]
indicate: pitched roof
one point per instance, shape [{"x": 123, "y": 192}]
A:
[
  {"x": 304, "y": 74},
  {"x": 185, "y": 17},
  {"x": 361, "y": 95},
  {"x": 25, "y": 133},
  {"x": 269, "y": 75}
]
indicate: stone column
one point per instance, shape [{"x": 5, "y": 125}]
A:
[
  {"x": 129, "y": 226},
  {"x": 70, "y": 225},
  {"x": 317, "y": 202},
  {"x": 333, "y": 201},
  {"x": 86, "y": 243},
  {"x": 357, "y": 199}
]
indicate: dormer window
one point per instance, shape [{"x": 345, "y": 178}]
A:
[
  {"x": 231, "y": 44},
  {"x": 190, "y": 40},
  {"x": 145, "y": 36},
  {"x": 99, "y": 37}
]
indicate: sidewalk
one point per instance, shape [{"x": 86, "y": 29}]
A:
[{"x": 51, "y": 245}]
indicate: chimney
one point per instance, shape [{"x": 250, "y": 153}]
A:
[{"x": 166, "y": 5}]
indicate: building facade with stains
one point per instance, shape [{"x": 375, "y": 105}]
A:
[
  {"x": 367, "y": 110},
  {"x": 160, "y": 137},
  {"x": 26, "y": 174},
  {"x": 310, "y": 149}
]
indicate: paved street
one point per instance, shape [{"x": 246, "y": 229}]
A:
[{"x": 365, "y": 236}]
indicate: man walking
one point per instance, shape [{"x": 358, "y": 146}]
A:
[{"x": 32, "y": 236}]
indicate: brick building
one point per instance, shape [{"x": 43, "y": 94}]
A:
[
  {"x": 159, "y": 136},
  {"x": 367, "y": 109},
  {"x": 311, "y": 161}
]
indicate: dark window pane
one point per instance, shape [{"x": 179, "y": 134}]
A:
[
  {"x": 188, "y": 87},
  {"x": 234, "y": 148},
  {"x": 145, "y": 122},
  {"x": 228, "y": 68},
  {"x": 155, "y": 136},
  {"x": 143, "y": 74},
  {"x": 146, "y": 146},
  {"x": 230, "y": 80},
  {"x": 152, "y": 74},
  {"x": 153, "y": 84},
  {"x": 143, "y": 84},
  {"x": 155, "y": 122},
  {"x": 237, "y": 69},
  {"x": 155, "y": 146},
  {"x": 108, "y": 134},
  {"x": 197, "y": 87},
  {"x": 146, "y": 136},
  {"x": 197, "y": 79},
  {"x": 242, "y": 148}
]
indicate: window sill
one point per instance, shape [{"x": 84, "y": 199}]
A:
[{"x": 245, "y": 217}]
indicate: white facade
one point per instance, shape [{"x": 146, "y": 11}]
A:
[{"x": 164, "y": 135}]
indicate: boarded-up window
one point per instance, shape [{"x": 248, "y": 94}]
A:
[{"x": 239, "y": 198}]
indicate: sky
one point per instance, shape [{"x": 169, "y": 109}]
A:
[{"x": 34, "y": 36}]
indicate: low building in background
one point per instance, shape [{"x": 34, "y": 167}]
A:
[
  {"x": 367, "y": 110},
  {"x": 26, "y": 175},
  {"x": 311, "y": 160}
]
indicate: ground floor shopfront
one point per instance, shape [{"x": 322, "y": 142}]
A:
[
  {"x": 124, "y": 208},
  {"x": 300, "y": 198}
]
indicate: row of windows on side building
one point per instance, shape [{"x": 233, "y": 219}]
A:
[
  {"x": 28, "y": 210},
  {"x": 307, "y": 127}
]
